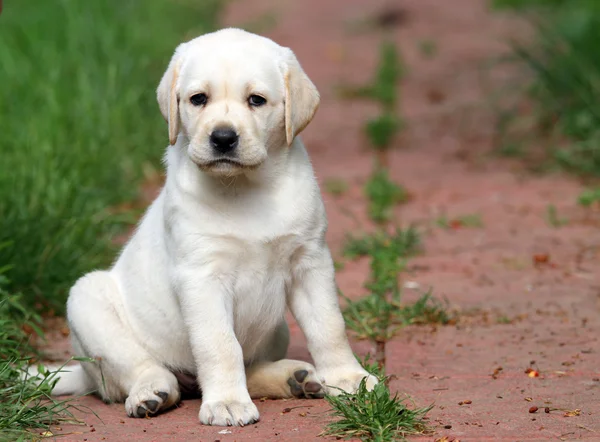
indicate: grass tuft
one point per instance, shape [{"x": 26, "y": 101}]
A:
[
  {"x": 383, "y": 195},
  {"x": 426, "y": 310},
  {"x": 553, "y": 218},
  {"x": 375, "y": 415},
  {"x": 379, "y": 315},
  {"x": 381, "y": 130},
  {"x": 405, "y": 242},
  {"x": 379, "y": 318},
  {"x": 26, "y": 404},
  {"x": 589, "y": 197},
  {"x": 384, "y": 87}
]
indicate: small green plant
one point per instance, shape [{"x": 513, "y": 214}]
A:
[
  {"x": 383, "y": 195},
  {"x": 336, "y": 186},
  {"x": 375, "y": 415},
  {"x": 553, "y": 218},
  {"x": 425, "y": 310},
  {"x": 382, "y": 129},
  {"x": 338, "y": 265},
  {"x": 389, "y": 73},
  {"x": 371, "y": 317},
  {"x": 384, "y": 87},
  {"x": 379, "y": 315},
  {"x": 379, "y": 318},
  {"x": 589, "y": 197},
  {"x": 406, "y": 242},
  {"x": 503, "y": 320}
]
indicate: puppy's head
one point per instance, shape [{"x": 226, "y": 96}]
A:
[{"x": 235, "y": 96}]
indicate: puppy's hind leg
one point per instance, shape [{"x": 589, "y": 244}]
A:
[
  {"x": 285, "y": 378},
  {"x": 123, "y": 368}
]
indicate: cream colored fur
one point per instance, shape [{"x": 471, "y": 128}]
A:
[{"x": 203, "y": 284}]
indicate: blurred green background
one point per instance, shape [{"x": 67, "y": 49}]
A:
[{"x": 79, "y": 122}]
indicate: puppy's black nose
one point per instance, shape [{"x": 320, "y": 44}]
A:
[{"x": 223, "y": 140}]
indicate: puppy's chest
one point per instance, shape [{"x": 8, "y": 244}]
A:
[
  {"x": 261, "y": 278},
  {"x": 264, "y": 267}
]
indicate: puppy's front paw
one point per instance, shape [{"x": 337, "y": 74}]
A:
[
  {"x": 228, "y": 413},
  {"x": 347, "y": 380},
  {"x": 148, "y": 398}
]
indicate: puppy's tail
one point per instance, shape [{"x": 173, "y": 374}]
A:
[{"x": 72, "y": 379}]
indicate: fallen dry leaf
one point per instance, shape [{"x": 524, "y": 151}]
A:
[
  {"x": 496, "y": 372},
  {"x": 571, "y": 413}
]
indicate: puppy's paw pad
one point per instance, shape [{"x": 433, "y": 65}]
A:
[
  {"x": 146, "y": 402},
  {"x": 300, "y": 375},
  {"x": 304, "y": 384},
  {"x": 226, "y": 414}
]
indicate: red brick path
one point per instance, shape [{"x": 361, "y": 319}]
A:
[{"x": 554, "y": 307}]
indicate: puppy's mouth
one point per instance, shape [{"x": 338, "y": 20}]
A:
[{"x": 220, "y": 163}]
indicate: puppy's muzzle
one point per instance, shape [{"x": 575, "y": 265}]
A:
[{"x": 224, "y": 141}]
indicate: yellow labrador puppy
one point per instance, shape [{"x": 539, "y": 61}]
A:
[{"x": 235, "y": 236}]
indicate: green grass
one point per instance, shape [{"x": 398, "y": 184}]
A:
[
  {"x": 379, "y": 315},
  {"x": 26, "y": 408},
  {"x": 383, "y": 194},
  {"x": 564, "y": 66},
  {"x": 79, "y": 123},
  {"x": 381, "y": 130},
  {"x": 553, "y": 218},
  {"x": 406, "y": 242},
  {"x": 384, "y": 88},
  {"x": 375, "y": 415},
  {"x": 589, "y": 197},
  {"x": 425, "y": 310},
  {"x": 378, "y": 318}
]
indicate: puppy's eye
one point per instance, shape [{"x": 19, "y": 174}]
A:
[
  {"x": 198, "y": 99},
  {"x": 256, "y": 100}
]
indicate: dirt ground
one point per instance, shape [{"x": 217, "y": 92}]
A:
[{"x": 528, "y": 292}]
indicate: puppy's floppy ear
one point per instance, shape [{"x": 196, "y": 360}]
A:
[
  {"x": 301, "y": 97},
  {"x": 167, "y": 94}
]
